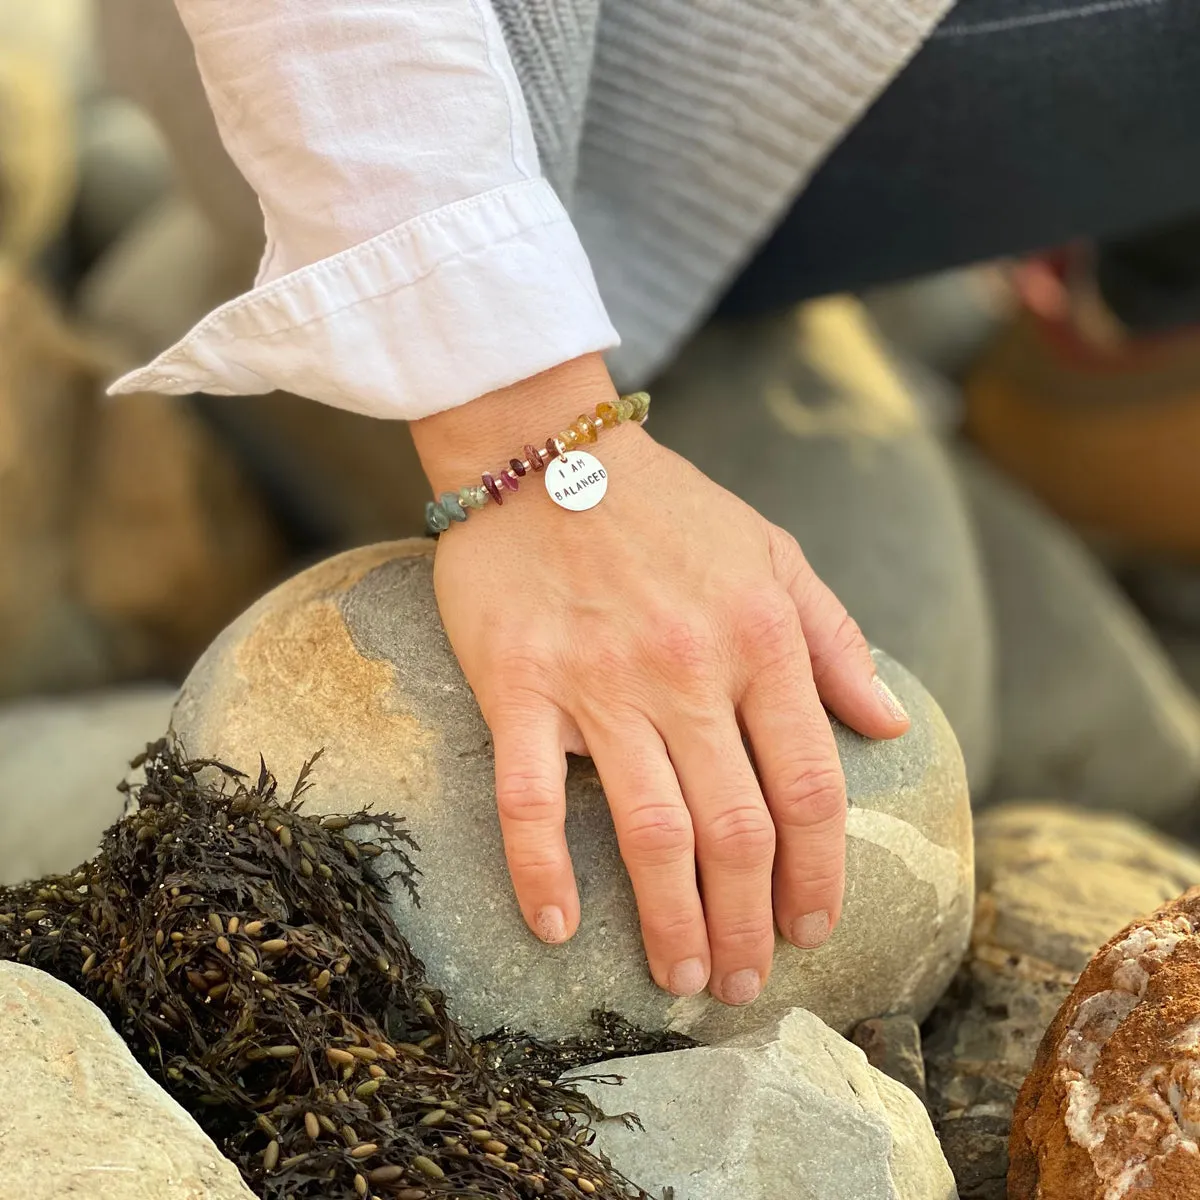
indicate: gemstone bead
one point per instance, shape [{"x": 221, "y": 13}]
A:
[
  {"x": 535, "y": 459},
  {"x": 554, "y": 448},
  {"x": 451, "y": 507},
  {"x": 608, "y": 413},
  {"x": 585, "y": 429},
  {"x": 492, "y": 489},
  {"x": 508, "y": 479},
  {"x": 624, "y": 408},
  {"x": 641, "y": 405},
  {"x": 569, "y": 437},
  {"x": 472, "y": 497},
  {"x": 517, "y": 465},
  {"x": 436, "y": 520}
]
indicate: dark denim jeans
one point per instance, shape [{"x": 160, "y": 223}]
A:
[{"x": 1021, "y": 124}]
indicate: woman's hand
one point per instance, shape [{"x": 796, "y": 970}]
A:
[{"x": 651, "y": 633}]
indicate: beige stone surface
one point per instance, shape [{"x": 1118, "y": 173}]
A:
[
  {"x": 351, "y": 657},
  {"x": 80, "y": 1120},
  {"x": 797, "y": 1113}
]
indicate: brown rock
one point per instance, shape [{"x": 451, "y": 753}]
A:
[
  {"x": 1053, "y": 884},
  {"x": 47, "y": 378},
  {"x": 170, "y": 541},
  {"x": 1112, "y": 1106},
  {"x": 127, "y": 535}
]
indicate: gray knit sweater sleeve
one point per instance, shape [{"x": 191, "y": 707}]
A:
[
  {"x": 553, "y": 43},
  {"x": 677, "y": 132}
]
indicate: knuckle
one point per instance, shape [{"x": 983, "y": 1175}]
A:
[
  {"x": 811, "y": 795},
  {"x": 533, "y": 865},
  {"x": 814, "y": 881},
  {"x": 686, "y": 648},
  {"x": 742, "y": 934},
  {"x": 768, "y": 622},
  {"x": 525, "y": 798},
  {"x": 741, "y": 834},
  {"x": 847, "y": 637},
  {"x": 787, "y": 557},
  {"x": 654, "y": 834},
  {"x": 674, "y": 924},
  {"x": 519, "y": 656}
]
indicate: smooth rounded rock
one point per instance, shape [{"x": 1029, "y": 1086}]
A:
[
  {"x": 1090, "y": 708},
  {"x": 60, "y": 762},
  {"x": 351, "y": 657}
]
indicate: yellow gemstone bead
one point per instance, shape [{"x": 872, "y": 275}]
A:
[
  {"x": 608, "y": 413},
  {"x": 640, "y": 402},
  {"x": 586, "y": 430},
  {"x": 568, "y": 437}
]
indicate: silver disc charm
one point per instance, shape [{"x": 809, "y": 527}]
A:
[{"x": 576, "y": 481}]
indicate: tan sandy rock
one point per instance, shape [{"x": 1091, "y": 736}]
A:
[{"x": 80, "y": 1120}]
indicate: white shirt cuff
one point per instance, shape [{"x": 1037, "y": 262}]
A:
[{"x": 443, "y": 308}]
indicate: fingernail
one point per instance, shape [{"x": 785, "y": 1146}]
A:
[
  {"x": 811, "y": 930},
  {"x": 742, "y": 987},
  {"x": 687, "y": 978},
  {"x": 888, "y": 699},
  {"x": 551, "y": 924}
]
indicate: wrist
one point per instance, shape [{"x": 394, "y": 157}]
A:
[{"x": 456, "y": 445}]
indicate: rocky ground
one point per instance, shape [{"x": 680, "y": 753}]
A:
[{"x": 1053, "y": 696}]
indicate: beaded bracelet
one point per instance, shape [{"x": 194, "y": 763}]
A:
[{"x": 574, "y": 478}]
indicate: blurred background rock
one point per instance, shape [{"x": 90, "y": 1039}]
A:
[{"x": 133, "y": 530}]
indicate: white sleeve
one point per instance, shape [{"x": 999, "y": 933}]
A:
[{"x": 415, "y": 256}]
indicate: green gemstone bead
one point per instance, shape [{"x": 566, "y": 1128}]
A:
[
  {"x": 451, "y": 506},
  {"x": 640, "y": 401},
  {"x": 623, "y": 407},
  {"x": 436, "y": 520},
  {"x": 472, "y": 497}
]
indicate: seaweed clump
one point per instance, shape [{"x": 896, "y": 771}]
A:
[{"x": 246, "y": 953}]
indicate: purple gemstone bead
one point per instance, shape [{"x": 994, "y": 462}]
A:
[
  {"x": 535, "y": 459},
  {"x": 492, "y": 489},
  {"x": 517, "y": 465},
  {"x": 509, "y": 479}
]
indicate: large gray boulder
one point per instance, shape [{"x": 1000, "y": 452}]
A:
[
  {"x": 1091, "y": 709},
  {"x": 790, "y": 1110},
  {"x": 806, "y": 418},
  {"x": 60, "y": 763},
  {"x": 80, "y": 1118},
  {"x": 1054, "y": 884},
  {"x": 351, "y": 656}
]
